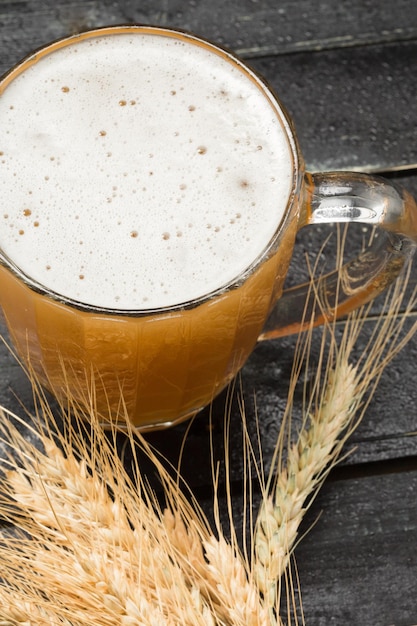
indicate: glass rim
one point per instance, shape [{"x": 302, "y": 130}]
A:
[{"x": 282, "y": 115}]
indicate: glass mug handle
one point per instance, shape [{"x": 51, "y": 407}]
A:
[{"x": 348, "y": 197}]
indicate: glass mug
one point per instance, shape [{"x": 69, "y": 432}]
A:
[{"x": 159, "y": 363}]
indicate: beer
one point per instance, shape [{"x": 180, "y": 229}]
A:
[{"x": 145, "y": 181}]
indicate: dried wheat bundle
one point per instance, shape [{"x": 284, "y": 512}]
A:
[{"x": 93, "y": 545}]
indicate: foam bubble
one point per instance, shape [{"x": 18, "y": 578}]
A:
[{"x": 173, "y": 179}]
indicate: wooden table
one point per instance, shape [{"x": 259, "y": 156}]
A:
[{"x": 346, "y": 71}]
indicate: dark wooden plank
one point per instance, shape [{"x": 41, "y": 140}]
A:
[
  {"x": 389, "y": 427},
  {"x": 251, "y": 27},
  {"x": 261, "y": 27},
  {"x": 357, "y": 562},
  {"x": 353, "y": 109},
  {"x": 363, "y": 522}
]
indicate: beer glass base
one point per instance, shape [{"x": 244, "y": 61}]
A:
[{"x": 129, "y": 427}]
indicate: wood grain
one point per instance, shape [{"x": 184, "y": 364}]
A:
[{"x": 250, "y": 27}]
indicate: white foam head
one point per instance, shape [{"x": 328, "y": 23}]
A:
[{"x": 139, "y": 170}]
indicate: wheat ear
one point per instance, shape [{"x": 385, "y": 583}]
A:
[{"x": 95, "y": 547}]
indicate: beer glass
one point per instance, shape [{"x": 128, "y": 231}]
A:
[{"x": 153, "y": 363}]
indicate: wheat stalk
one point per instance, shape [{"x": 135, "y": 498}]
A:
[{"x": 332, "y": 411}]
